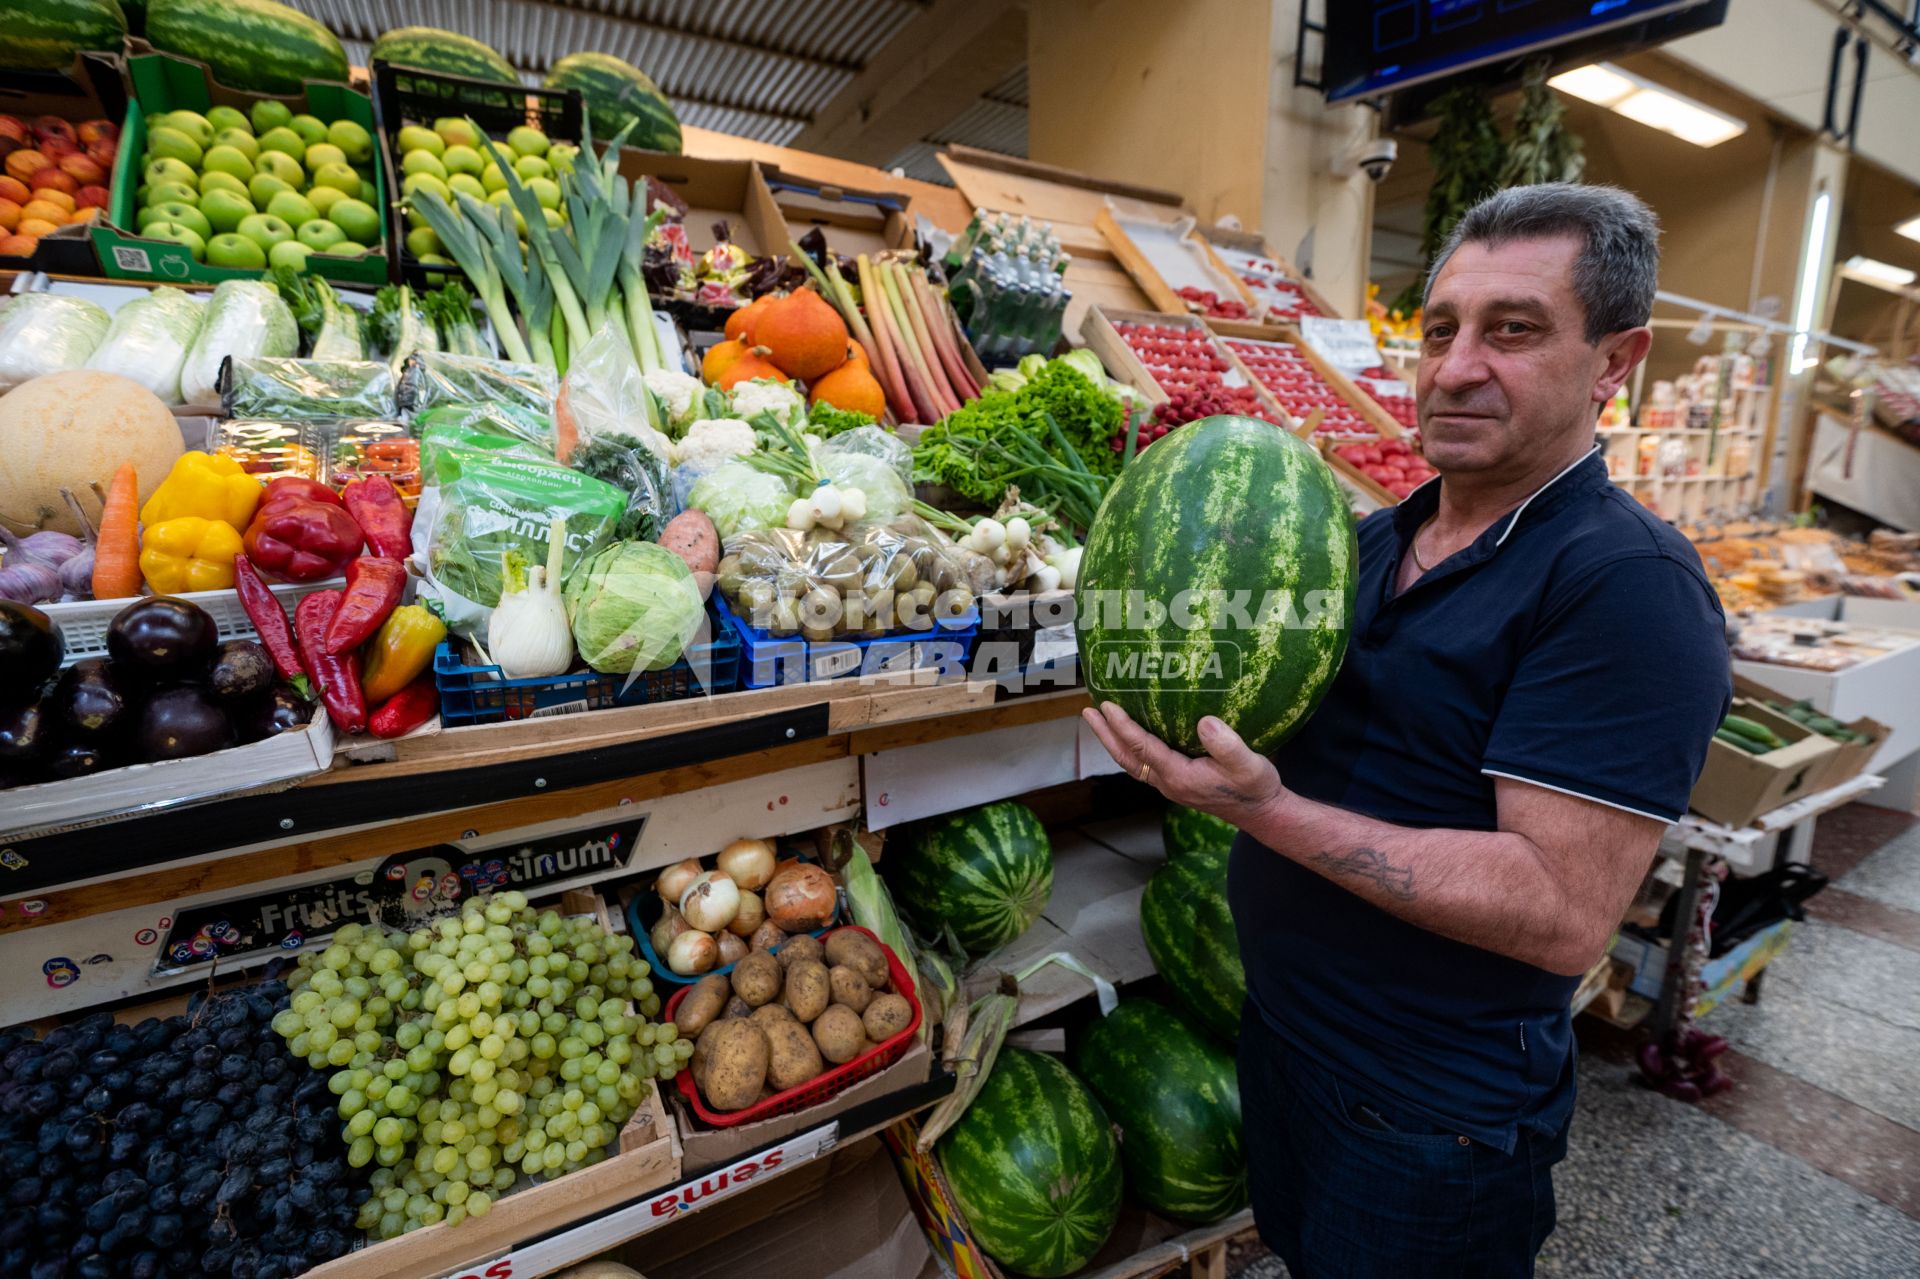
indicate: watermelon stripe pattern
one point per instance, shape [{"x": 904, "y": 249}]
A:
[
  {"x": 1190, "y": 937},
  {"x": 1176, "y": 1095},
  {"x": 1034, "y": 1167},
  {"x": 1218, "y": 579},
  {"x": 1188, "y": 830},
  {"x": 47, "y": 33},
  {"x": 253, "y": 45},
  {"x": 986, "y": 873},
  {"x": 614, "y": 93},
  {"x": 432, "y": 49}
]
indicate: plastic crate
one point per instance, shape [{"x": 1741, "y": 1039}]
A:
[
  {"x": 767, "y": 661},
  {"x": 643, "y": 911},
  {"x": 827, "y": 1083},
  {"x": 83, "y": 623},
  {"x": 481, "y": 695}
]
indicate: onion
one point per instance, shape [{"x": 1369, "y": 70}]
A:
[
  {"x": 692, "y": 952},
  {"x": 752, "y": 914},
  {"x": 732, "y": 949},
  {"x": 801, "y": 898},
  {"x": 673, "y": 881},
  {"x": 766, "y": 937},
  {"x": 710, "y": 901},
  {"x": 669, "y": 926},
  {"x": 749, "y": 861}
]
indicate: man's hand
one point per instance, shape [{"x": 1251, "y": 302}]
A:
[{"x": 1231, "y": 782}]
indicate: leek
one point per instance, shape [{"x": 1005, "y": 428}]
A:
[{"x": 464, "y": 244}]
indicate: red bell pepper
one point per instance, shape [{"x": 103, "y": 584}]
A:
[
  {"x": 301, "y": 538},
  {"x": 338, "y": 677},
  {"x": 374, "y": 587},
  {"x": 407, "y": 709},
  {"x": 269, "y": 619},
  {"x": 376, "y": 506},
  {"x": 288, "y": 487}
]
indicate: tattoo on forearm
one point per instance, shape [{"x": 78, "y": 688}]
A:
[
  {"x": 1371, "y": 864},
  {"x": 1235, "y": 794}
]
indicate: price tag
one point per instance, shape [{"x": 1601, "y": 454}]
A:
[{"x": 1346, "y": 344}]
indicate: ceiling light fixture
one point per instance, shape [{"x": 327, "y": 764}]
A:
[
  {"x": 1878, "y": 272},
  {"x": 1813, "y": 257},
  {"x": 1641, "y": 100}
]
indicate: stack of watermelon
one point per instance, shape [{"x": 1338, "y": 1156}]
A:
[
  {"x": 1188, "y": 830},
  {"x": 253, "y": 45},
  {"x": 985, "y": 873}
]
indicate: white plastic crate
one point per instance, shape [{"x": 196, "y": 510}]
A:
[{"x": 83, "y": 623}]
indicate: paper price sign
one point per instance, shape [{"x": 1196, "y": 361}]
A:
[{"x": 1346, "y": 344}]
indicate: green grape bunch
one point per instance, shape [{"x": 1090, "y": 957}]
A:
[{"x": 476, "y": 1049}]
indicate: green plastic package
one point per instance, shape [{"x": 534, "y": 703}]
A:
[{"x": 451, "y": 435}]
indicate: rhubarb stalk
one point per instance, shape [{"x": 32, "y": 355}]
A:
[
  {"x": 938, "y": 330},
  {"x": 897, "y": 315},
  {"x": 923, "y": 337},
  {"x": 925, "y": 405}
]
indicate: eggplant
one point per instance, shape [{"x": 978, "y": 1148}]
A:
[
  {"x": 182, "y": 722},
  {"x": 26, "y": 731},
  {"x": 279, "y": 710},
  {"x": 92, "y": 697},
  {"x": 241, "y": 669},
  {"x": 30, "y": 650},
  {"x": 163, "y": 636},
  {"x": 80, "y": 759}
]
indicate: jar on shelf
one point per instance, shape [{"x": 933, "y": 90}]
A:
[{"x": 1648, "y": 459}]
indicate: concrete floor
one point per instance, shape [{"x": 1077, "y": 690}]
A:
[{"x": 1811, "y": 1165}]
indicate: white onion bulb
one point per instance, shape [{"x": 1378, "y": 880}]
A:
[
  {"x": 710, "y": 901},
  {"x": 749, "y": 861},
  {"x": 673, "y": 881},
  {"x": 752, "y": 914},
  {"x": 692, "y": 952}
]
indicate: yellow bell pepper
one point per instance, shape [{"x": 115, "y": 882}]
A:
[
  {"x": 188, "y": 553},
  {"x": 209, "y": 485},
  {"x": 399, "y": 651}
]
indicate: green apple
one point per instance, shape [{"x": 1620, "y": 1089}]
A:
[
  {"x": 140, "y": 195},
  {"x": 553, "y": 218},
  {"x": 263, "y": 188},
  {"x": 414, "y": 138},
  {"x": 466, "y": 184},
  {"x": 159, "y": 172},
  {"x": 527, "y": 140},
  {"x": 323, "y": 153},
  {"x": 237, "y": 251},
  {"x": 227, "y": 159},
  {"x": 145, "y": 216},
  {"x": 456, "y": 132},
  {"x": 358, "y": 219},
  {"x": 353, "y": 139},
  {"x": 546, "y": 192},
  {"x": 223, "y": 182},
  {"x": 434, "y": 259},
  {"x": 502, "y": 199},
  {"x": 282, "y": 166},
  {"x": 340, "y": 177},
  {"x": 425, "y": 182},
  {"x": 169, "y": 143},
  {"x": 224, "y": 118},
  {"x": 285, "y": 141},
  {"x": 423, "y": 162},
  {"x": 494, "y": 180},
  {"x": 265, "y": 230},
  {"x": 561, "y": 157},
  {"x": 195, "y": 242},
  {"x": 292, "y": 209},
  {"x": 324, "y": 198},
  {"x": 320, "y": 235},
  {"x": 369, "y": 192},
  {"x": 463, "y": 159},
  {"x": 268, "y": 115},
  {"x": 186, "y": 215},
  {"x": 193, "y": 124},
  {"x": 311, "y": 129},
  {"x": 422, "y": 242},
  {"x": 171, "y": 193},
  {"x": 530, "y": 167},
  {"x": 225, "y": 211},
  {"x": 241, "y": 140},
  {"x": 291, "y": 254}
]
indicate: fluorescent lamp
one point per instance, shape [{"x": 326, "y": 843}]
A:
[
  {"x": 1910, "y": 228},
  {"x": 1815, "y": 256},
  {"x": 1880, "y": 272},
  {"x": 1639, "y": 99}
]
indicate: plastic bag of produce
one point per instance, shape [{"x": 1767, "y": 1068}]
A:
[
  {"x": 630, "y": 466},
  {"x": 877, "y": 462},
  {"x": 634, "y": 607},
  {"x": 44, "y": 333},
  {"x": 449, "y": 435},
  {"x": 244, "y": 318},
  {"x": 310, "y": 390},
  {"x": 149, "y": 339},
  {"x": 605, "y": 394},
  {"x": 865, "y": 580},
  {"x": 875, "y": 442},
  {"x": 436, "y": 378},
  {"x": 739, "y": 499}
]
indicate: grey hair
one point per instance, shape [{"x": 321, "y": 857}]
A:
[{"x": 1615, "y": 274}]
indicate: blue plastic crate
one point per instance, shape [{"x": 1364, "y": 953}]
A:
[
  {"x": 643, "y": 912},
  {"x": 767, "y": 661},
  {"x": 480, "y": 695}
]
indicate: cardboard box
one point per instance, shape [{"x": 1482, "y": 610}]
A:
[
  {"x": 164, "y": 82},
  {"x": 89, "y": 90},
  {"x": 1850, "y": 759},
  {"x": 1736, "y": 787},
  {"x": 854, "y": 222},
  {"x": 707, "y": 1148},
  {"x": 733, "y": 191}
]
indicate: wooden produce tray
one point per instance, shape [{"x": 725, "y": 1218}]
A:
[
  {"x": 1200, "y": 263},
  {"x": 1229, "y": 246},
  {"x": 1098, "y": 331},
  {"x": 1364, "y": 406}
]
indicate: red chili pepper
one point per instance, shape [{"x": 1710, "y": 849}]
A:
[
  {"x": 301, "y": 539},
  {"x": 407, "y": 709},
  {"x": 376, "y": 507},
  {"x": 374, "y": 587},
  {"x": 338, "y": 677},
  {"x": 269, "y": 619}
]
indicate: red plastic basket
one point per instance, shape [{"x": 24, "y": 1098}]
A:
[{"x": 827, "y": 1083}]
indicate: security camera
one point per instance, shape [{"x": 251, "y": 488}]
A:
[{"x": 1371, "y": 156}]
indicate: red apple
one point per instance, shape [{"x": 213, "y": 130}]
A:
[
  {"x": 7, "y": 147},
  {"x": 52, "y": 177},
  {"x": 103, "y": 153},
  {"x": 12, "y": 126},
  {"x": 23, "y": 164},
  {"x": 52, "y": 126},
  {"x": 54, "y": 148},
  {"x": 93, "y": 131},
  {"x": 93, "y": 197},
  {"x": 83, "y": 169}
]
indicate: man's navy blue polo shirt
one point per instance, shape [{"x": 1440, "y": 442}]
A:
[{"x": 1576, "y": 645}]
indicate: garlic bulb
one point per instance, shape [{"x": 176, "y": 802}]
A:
[{"x": 527, "y": 636}]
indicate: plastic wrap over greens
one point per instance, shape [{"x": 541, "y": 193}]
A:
[
  {"x": 634, "y": 607},
  {"x": 43, "y": 333},
  {"x": 450, "y": 435},
  {"x": 436, "y": 378},
  {"x": 606, "y": 394},
  {"x": 149, "y": 339},
  {"x": 630, "y": 466},
  {"x": 244, "y": 318},
  {"x": 875, "y": 461},
  {"x": 738, "y": 498},
  {"x": 865, "y": 580},
  {"x": 261, "y": 386}
]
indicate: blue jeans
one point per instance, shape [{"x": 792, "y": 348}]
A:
[{"x": 1347, "y": 1187}]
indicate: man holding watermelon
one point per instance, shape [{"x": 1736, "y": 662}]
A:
[{"x": 1533, "y": 671}]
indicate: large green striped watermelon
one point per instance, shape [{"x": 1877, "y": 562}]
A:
[
  {"x": 616, "y": 92},
  {"x": 1188, "y": 830},
  {"x": 984, "y": 872},
  {"x": 1034, "y": 1166},
  {"x": 254, "y": 45},
  {"x": 1189, "y": 932},
  {"x": 435, "y": 50},
  {"x": 47, "y": 33},
  {"x": 1174, "y": 1092},
  {"x": 1218, "y": 579}
]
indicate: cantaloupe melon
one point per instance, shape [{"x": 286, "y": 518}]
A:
[{"x": 72, "y": 427}]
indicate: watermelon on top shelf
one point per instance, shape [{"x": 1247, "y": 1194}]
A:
[
  {"x": 1190, "y": 937},
  {"x": 616, "y": 92},
  {"x": 984, "y": 872},
  {"x": 1218, "y": 579},
  {"x": 1175, "y": 1093},
  {"x": 253, "y": 45},
  {"x": 47, "y": 33},
  {"x": 432, "y": 49},
  {"x": 1188, "y": 830},
  {"x": 1034, "y": 1167}
]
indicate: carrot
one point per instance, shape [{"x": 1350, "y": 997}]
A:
[
  {"x": 116, "y": 552},
  {"x": 566, "y": 431}
]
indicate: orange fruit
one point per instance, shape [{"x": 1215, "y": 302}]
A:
[{"x": 739, "y": 324}]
